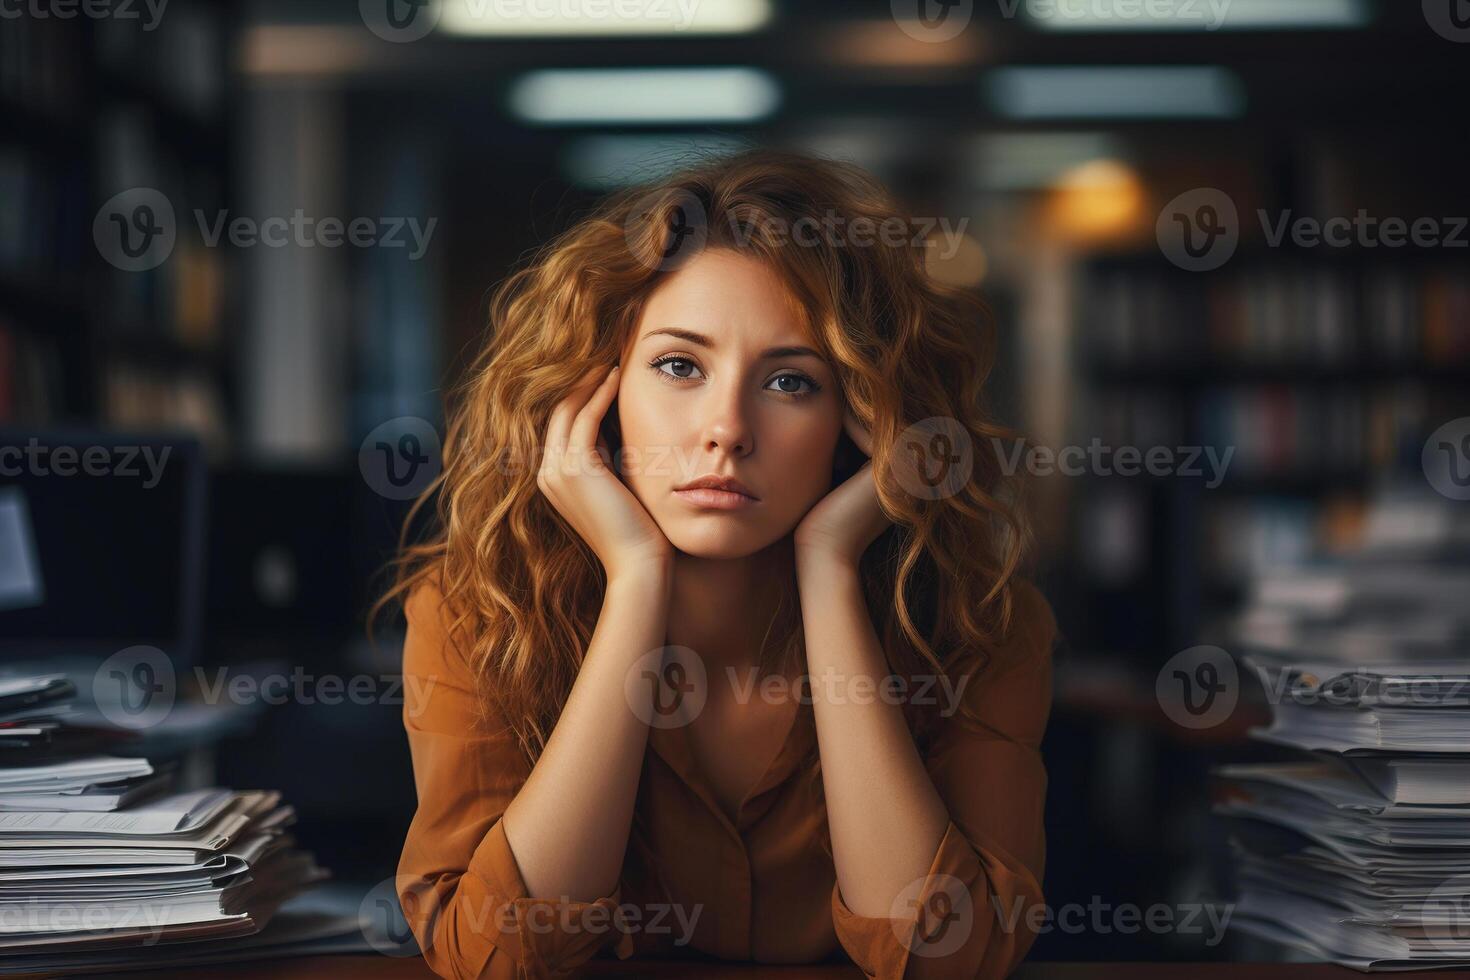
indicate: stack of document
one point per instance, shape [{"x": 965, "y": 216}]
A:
[
  {"x": 101, "y": 853},
  {"x": 37, "y": 719},
  {"x": 88, "y": 783},
  {"x": 1361, "y": 856},
  {"x": 325, "y": 919}
]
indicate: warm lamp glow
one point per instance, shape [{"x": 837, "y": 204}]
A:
[{"x": 1096, "y": 200}]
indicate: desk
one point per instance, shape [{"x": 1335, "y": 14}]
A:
[{"x": 389, "y": 968}]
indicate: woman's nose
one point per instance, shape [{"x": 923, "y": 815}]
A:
[{"x": 727, "y": 427}]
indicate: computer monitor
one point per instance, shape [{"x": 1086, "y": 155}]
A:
[{"x": 109, "y": 531}]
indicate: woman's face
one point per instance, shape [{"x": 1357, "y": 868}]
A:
[{"x": 721, "y": 380}]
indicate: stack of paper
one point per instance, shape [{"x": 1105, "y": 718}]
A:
[
  {"x": 90, "y": 783},
  {"x": 37, "y": 720},
  {"x": 1362, "y": 856},
  {"x": 326, "y": 919},
  {"x": 99, "y": 853}
]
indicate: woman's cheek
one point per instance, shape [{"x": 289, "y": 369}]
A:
[{"x": 810, "y": 465}]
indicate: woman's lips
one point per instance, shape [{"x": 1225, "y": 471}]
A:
[{"x": 708, "y": 498}]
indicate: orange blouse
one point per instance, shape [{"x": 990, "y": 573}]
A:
[{"x": 762, "y": 889}]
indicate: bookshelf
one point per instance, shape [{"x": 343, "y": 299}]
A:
[
  {"x": 1325, "y": 370},
  {"x": 90, "y": 108}
]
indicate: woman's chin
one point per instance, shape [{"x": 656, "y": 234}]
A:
[{"x": 717, "y": 543}]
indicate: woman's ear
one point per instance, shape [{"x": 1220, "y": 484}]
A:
[
  {"x": 857, "y": 432},
  {"x": 850, "y": 454}
]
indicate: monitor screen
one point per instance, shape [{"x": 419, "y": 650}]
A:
[{"x": 109, "y": 532}]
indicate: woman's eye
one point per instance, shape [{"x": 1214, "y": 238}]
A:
[
  {"x": 683, "y": 369},
  {"x": 791, "y": 384},
  {"x": 679, "y": 368}
]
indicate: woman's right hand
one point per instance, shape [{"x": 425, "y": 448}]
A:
[{"x": 575, "y": 477}]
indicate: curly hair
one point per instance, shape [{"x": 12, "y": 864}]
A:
[{"x": 524, "y": 591}]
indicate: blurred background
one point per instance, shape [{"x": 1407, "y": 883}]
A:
[{"x": 263, "y": 235}]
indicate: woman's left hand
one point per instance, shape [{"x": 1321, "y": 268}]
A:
[{"x": 842, "y": 524}]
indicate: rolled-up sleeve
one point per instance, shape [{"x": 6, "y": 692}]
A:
[
  {"x": 975, "y": 912},
  {"x": 458, "y": 882}
]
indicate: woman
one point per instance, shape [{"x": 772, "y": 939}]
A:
[{"x": 688, "y": 674}]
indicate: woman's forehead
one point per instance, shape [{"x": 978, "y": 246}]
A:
[{"x": 727, "y": 296}]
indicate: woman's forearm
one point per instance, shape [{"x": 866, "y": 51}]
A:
[
  {"x": 569, "y": 824},
  {"x": 886, "y": 817}
]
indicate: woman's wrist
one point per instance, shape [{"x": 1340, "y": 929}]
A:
[
  {"x": 646, "y": 577},
  {"x": 823, "y": 565},
  {"x": 823, "y": 559}
]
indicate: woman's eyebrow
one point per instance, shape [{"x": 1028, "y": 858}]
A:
[{"x": 703, "y": 341}]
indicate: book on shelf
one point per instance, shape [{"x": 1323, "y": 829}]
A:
[
  {"x": 74, "y": 331},
  {"x": 1316, "y": 317}
]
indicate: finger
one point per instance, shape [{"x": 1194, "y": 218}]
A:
[
  {"x": 585, "y": 426},
  {"x": 558, "y": 427}
]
